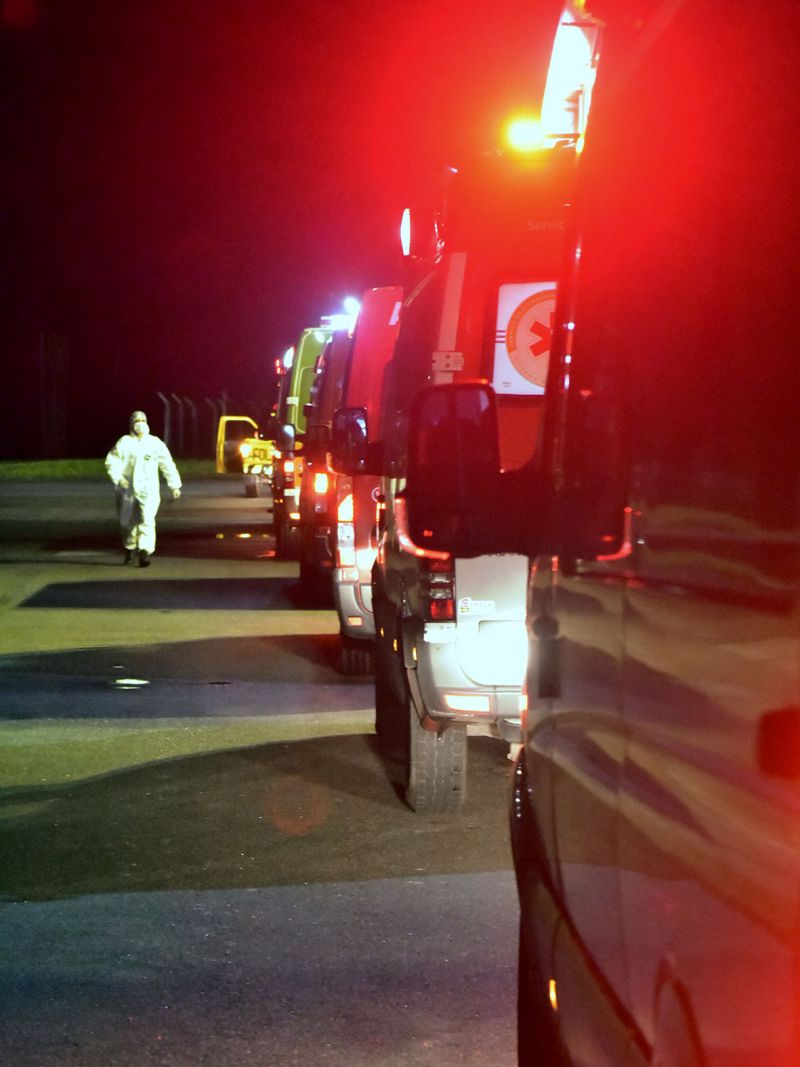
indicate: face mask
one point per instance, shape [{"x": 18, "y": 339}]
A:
[{"x": 140, "y": 428}]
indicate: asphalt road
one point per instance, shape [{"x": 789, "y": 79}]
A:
[{"x": 204, "y": 859}]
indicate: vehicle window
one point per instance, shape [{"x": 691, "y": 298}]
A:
[{"x": 409, "y": 369}]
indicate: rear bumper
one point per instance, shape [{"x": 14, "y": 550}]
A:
[
  {"x": 449, "y": 694},
  {"x": 352, "y": 595}
]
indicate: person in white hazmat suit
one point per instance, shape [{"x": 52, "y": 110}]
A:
[{"x": 134, "y": 465}]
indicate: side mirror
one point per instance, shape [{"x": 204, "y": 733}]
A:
[
  {"x": 286, "y": 437},
  {"x": 350, "y": 441},
  {"x": 457, "y": 498}
]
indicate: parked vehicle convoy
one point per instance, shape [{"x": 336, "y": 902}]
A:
[
  {"x": 656, "y": 803},
  {"x": 293, "y": 394},
  {"x": 338, "y": 512},
  {"x": 450, "y": 632}
]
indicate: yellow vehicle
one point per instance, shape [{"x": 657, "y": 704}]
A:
[{"x": 242, "y": 446}]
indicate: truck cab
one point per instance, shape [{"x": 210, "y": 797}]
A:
[{"x": 450, "y": 632}]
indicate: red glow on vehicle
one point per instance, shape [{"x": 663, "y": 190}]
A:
[
  {"x": 626, "y": 548},
  {"x": 405, "y": 541}
]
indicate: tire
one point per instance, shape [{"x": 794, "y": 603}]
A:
[
  {"x": 287, "y": 541},
  {"x": 437, "y": 766},
  {"x": 291, "y": 542},
  {"x": 316, "y": 585},
  {"x": 537, "y": 1041},
  {"x": 355, "y": 656},
  {"x": 252, "y": 487},
  {"x": 309, "y": 576}
]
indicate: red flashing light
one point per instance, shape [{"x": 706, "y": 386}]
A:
[{"x": 525, "y": 134}]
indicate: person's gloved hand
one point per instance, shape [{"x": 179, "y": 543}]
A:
[
  {"x": 176, "y": 494},
  {"x": 123, "y": 483}
]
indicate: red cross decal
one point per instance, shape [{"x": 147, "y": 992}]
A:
[{"x": 538, "y": 348}]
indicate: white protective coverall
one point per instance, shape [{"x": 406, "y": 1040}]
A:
[{"x": 133, "y": 465}]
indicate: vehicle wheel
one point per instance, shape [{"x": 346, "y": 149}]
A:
[
  {"x": 437, "y": 765},
  {"x": 537, "y": 1042},
  {"x": 291, "y": 542},
  {"x": 287, "y": 541},
  {"x": 315, "y": 584},
  {"x": 309, "y": 576},
  {"x": 355, "y": 656},
  {"x": 251, "y": 487}
]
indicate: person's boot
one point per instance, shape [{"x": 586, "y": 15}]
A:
[
  {"x": 128, "y": 556},
  {"x": 144, "y": 559}
]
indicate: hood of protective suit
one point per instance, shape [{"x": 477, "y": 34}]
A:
[{"x": 138, "y": 422}]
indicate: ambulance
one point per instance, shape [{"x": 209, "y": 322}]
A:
[
  {"x": 317, "y": 480},
  {"x": 450, "y": 645},
  {"x": 357, "y": 492},
  {"x": 338, "y": 511},
  {"x": 655, "y": 810}
]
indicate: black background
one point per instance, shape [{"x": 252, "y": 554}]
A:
[{"x": 188, "y": 183}]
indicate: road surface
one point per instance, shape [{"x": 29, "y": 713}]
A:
[{"x": 205, "y": 861}]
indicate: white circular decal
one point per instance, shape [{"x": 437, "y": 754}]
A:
[{"x": 528, "y": 334}]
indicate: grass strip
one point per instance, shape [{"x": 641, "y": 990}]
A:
[{"x": 52, "y": 752}]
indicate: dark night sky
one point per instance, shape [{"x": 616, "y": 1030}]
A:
[{"x": 188, "y": 183}]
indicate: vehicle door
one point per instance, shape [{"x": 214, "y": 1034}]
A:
[
  {"x": 710, "y": 827},
  {"x": 688, "y": 291},
  {"x": 575, "y": 751}
]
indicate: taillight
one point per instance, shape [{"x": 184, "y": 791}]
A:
[
  {"x": 345, "y": 533},
  {"x": 321, "y": 482},
  {"x": 288, "y": 466},
  {"x": 439, "y": 589}
]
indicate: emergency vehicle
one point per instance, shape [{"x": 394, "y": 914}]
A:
[
  {"x": 338, "y": 511},
  {"x": 317, "y": 480},
  {"x": 293, "y": 395},
  {"x": 656, "y": 803},
  {"x": 242, "y": 446},
  {"x": 450, "y": 633},
  {"x": 357, "y": 492}
]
